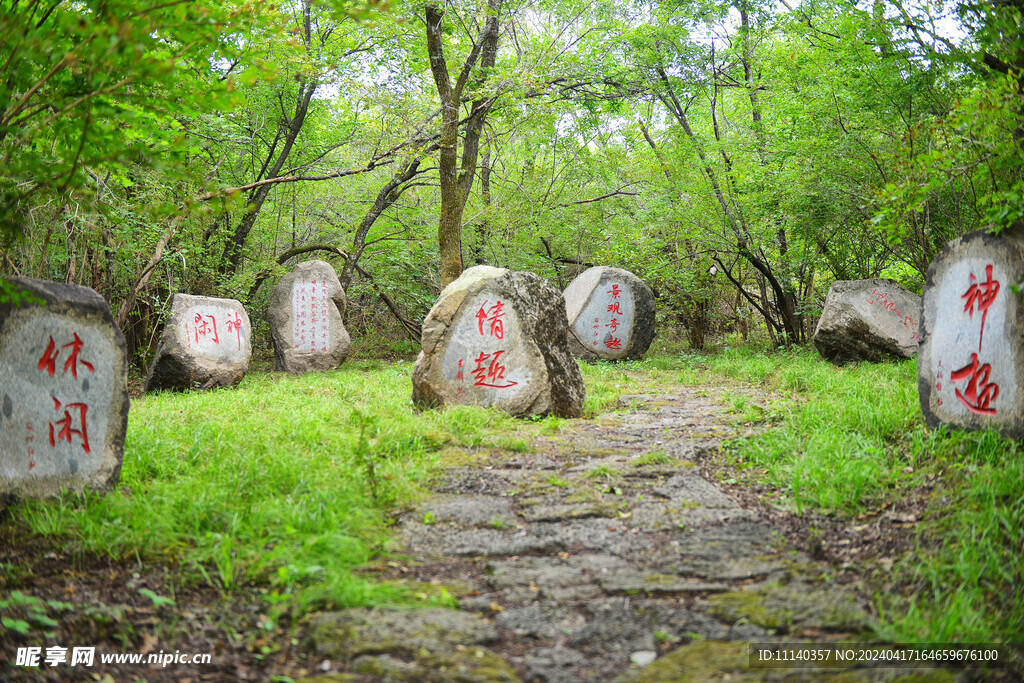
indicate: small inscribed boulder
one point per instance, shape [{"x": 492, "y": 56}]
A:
[
  {"x": 971, "y": 367},
  {"x": 64, "y": 392},
  {"x": 499, "y": 338},
  {"x": 206, "y": 343},
  {"x": 611, "y": 314},
  {"x": 305, "y": 315},
  {"x": 868, "y": 320}
]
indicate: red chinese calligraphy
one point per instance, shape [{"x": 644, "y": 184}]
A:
[
  {"x": 493, "y": 375},
  {"x": 614, "y": 324},
  {"x": 613, "y": 343},
  {"x": 235, "y": 325},
  {"x": 615, "y": 291},
  {"x": 203, "y": 329},
  {"x": 30, "y": 439},
  {"x": 980, "y": 393},
  {"x": 72, "y": 360},
  {"x": 980, "y": 297},
  {"x": 614, "y": 308},
  {"x": 49, "y": 360},
  {"x": 65, "y": 424},
  {"x": 493, "y": 316}
]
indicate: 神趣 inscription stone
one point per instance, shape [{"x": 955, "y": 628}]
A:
[
  {"x": 499, "y": 338},
  {"x": 305, "y": 316},
  {"x": 868, "y": 320},
  {"x": 971, "y": 366},
  {"x": 64, "y": 391},
  {"x": 611, "y": 314},
  {"x": 206, "y": 343}
]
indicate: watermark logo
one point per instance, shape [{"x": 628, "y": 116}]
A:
[{"x": 36, "y": 657}]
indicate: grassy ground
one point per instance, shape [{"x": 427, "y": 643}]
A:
[
  {"x": 284, "y": 487},
  {"x": 851, "y": 441}
]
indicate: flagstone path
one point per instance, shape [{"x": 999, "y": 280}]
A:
[{"x": 602, "y": 554}]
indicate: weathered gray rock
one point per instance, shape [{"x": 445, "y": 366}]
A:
[
  {"x": 971, "y": 368},
  {"x": 499, "y": 338},
  {"x": 868, "y": 320},
  {"x": 305, "y": 313},
  {"x": 63, "y": 391},
  {"x": 206, "y": 343},
  {"x": 611, "y": 314},
  {"x": 354, "y": 632}
]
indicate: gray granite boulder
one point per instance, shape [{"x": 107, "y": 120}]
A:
[
  {"x": 63, "y": 391},
  {"x": 499, "y": 338},
  {"x": 970, "y": 372},
  {"x": 868, "y": 320},
  {"x": 305, "y": 314},
  {"x": 206, "y": 343},
  {"x": 611, "y": 314}
]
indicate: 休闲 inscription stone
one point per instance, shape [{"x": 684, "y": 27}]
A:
[
  {"x": 64, "y": 392},
  {"x": 868, "y": 320},
  {"x": 610, "y": 313},
  {"x": 206, "y": 343},
  {"x": 305, "y": 316},
  {"x": 499, "y": 338},
  {"x": 970, "y": 370}
]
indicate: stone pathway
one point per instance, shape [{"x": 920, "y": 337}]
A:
[{"x": 602, "y": 555}]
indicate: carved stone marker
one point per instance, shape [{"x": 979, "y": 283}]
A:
[
  {"x": 611, "y": 314},
  {"x": 971, "y": 368},
  {"x": 499, "y": 338},
  {"x": 206, "y": 343},
  {"x": 63, "y": 391},
  {"x": 305, "y": 315},
  {"x": 868, "y": 320}
]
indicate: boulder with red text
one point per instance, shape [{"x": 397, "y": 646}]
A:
[
  {"x": 305, "y": 316},
  {"x": 970, "y": 372},
  {"x": 63, "y": 390},
  {"x": 206, "y": 343},
  {"x": 499, "y": 338},
  {"x": 611, "y": 314},
  {"x": 868, "y": 320}
]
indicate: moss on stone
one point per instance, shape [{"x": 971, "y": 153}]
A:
[{"x": 783, "y": 607}]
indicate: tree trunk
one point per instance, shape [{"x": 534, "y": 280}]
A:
[{"x": 456, "y": 183}]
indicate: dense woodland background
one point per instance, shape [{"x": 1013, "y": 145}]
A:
[{"x": 738, "y": 156}]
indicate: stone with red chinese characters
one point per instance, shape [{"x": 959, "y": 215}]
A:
[
  {"x": 970, "y": 372},
  {"x": 499, "y": 338},
  {"x": 63, "y": 393},
  {"x": 868, "y": 320},
  {"x": 206, "y": 343},
  {"x": 611, "y": 314},
  {"x": 305, "y": 314}
]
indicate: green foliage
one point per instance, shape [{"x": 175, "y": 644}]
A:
[
  {"x": 35, "y": 612},
  {"x": 91, "y": 87}
]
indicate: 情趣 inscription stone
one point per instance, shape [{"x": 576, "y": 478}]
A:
[
  {"x": 499, "y": 338},
  {"x": 64, "y": 391},
  {"x": 970, "y": 369},
  {"x": 305, "y": 316},
  {"x": 611, "y": 314},
  {"x": 868, "y": 320},
  {"x": 206, "y": 343}
]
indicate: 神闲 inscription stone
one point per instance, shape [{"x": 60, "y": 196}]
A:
[
  {"x": 971, "y": 366},
  {"x": 305, "y": 316},
  {"x": 206, "y": 343},
  {"x": 63, "y": 391},
  {"x": 499, "y": 338},
  {"x": 868, "y": 320},
  {"x": 611, "y": 314}
]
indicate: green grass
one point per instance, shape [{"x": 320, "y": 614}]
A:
[
  {"x": 851, "y": 440},
  {"x": 284, "y": 482},
  {"x": 287, "y": 484}
]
